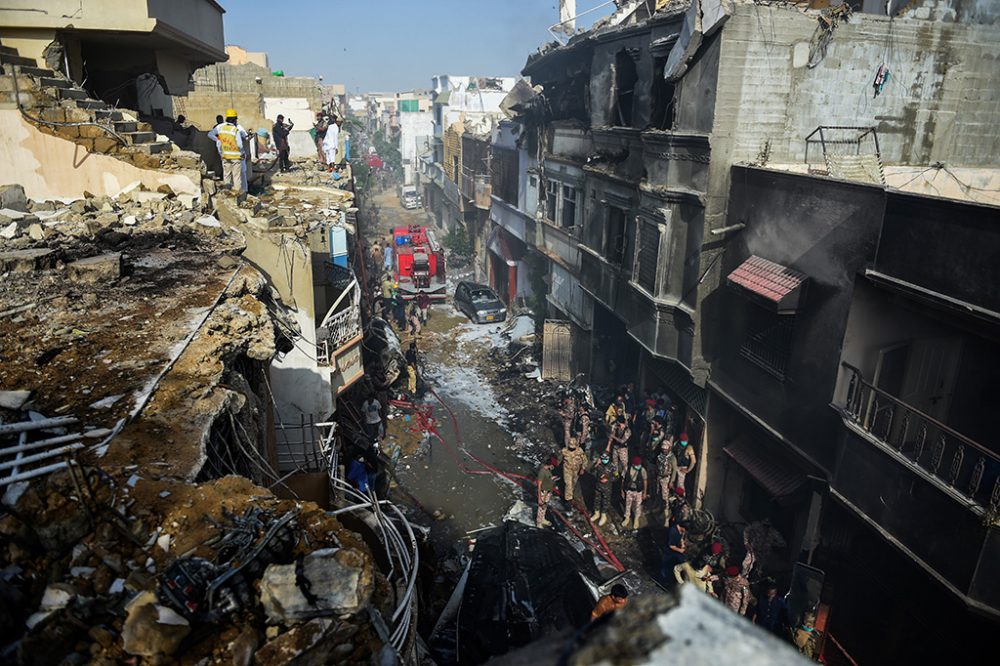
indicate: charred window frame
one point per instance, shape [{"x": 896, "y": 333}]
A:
[
  {"x": 626, "y": 79},
  {"x": 768, "y": 343},
  {"x": 647, "y": 255},
  {"x": 551, "y": 200},
  {"x": 663, "y": 97},
  {"x": 505, "y": 175},
  {"x": 619, "y": 239},
  {"x": 570, "y": 197}
]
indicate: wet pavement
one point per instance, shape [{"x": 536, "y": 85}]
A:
[{"x": 457, "y": 366}]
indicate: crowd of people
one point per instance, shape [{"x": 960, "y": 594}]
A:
[{"x": 641, "y": 459}]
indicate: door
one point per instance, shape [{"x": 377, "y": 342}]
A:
[{"x": 929, "y": 380}]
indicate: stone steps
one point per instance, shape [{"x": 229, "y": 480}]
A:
[
  {"x": 104, "y": 113},
  {"x": 73, "y": 93},
  {"x": 51, "y": 82},
  {"x": 151, "y": 148},
  {"x": 93, "y": 105},
  {"x": 13, "y": 59},
  {"x": 135, "y": 138},
  {"x": 126, "y": 126},
  {"x": 8, "y": 50}
]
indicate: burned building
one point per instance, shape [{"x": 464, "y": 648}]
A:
[{"x": 745, "y": 204}]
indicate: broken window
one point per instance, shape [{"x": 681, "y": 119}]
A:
[
  {"x": 769, "y": 340},
  {"x": 505, "y": 174},
  {"x": 647, "y": 255},
  {"x": 663, "y": 98},
  {"x": 626, "y": 78},
  {"x": 551, "y": 201},
  {"x": 616, "y": 247},
  {"x": 568, "y": 215}
]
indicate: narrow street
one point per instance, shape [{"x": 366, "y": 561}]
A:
[{"x": 462, "y": 363}]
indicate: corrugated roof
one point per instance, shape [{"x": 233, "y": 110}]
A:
[
  {"x": 776, "y": 474},
  {"x": 779, "y": 285}
]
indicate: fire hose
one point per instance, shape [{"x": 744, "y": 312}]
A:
[{"x": 425, "y": 419}]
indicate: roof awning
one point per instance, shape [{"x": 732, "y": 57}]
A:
[
  {"x": 505, "y": 246},
  {"x": 776, "y": 474},
  {"x": 775, "y": 286}
]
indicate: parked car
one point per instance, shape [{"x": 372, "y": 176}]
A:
[{"x": 479, "y": 302}]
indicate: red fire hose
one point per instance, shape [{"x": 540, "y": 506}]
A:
[{"x": 426, "y": 421}]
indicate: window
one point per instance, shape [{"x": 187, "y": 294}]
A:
[
  {"x": 663, "y": 98},
  {"x": 505, "y": 174},
  {"x": 769, "y": 340},
  {"x": 568, "y": 215},
  {"x": 455, "y": 169},
  {"x": 626, "y": 78},
  {"x": 647, "y": 255},
  {"x": 551, "y": 201},
  {"x": 616, "y": 240}
]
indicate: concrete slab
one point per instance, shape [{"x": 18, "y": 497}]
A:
[
  {"x": 25, "y": 261},
  {"x": 102, "y": 268}
]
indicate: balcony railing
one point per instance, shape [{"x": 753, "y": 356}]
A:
[
  {"x": 339, "y": 328},
  {"x": 967, "y": 467}
]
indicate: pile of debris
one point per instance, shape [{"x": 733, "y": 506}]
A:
[
  {"x": 131, "y": 329},
  {"x": 98, "y": 571}
]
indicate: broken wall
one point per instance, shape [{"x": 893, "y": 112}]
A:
[
  {"x": 52, "y": 168},
  {"x": 300, "y": 387}
]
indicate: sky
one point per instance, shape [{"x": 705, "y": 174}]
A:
[{"x": 392, "y": 45}]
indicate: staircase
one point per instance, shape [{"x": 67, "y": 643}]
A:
[{"x": 57, "y": 105}]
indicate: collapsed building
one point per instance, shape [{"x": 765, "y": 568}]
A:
[
  {"x": 169, "y": 372},
  {"x": 744, "y": 203}
]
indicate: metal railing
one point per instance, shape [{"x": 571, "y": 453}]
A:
[
  {"x": 967, "y": 467},
  {"x": 339, "y": 328},
  {"x": 306, "y": 446}
]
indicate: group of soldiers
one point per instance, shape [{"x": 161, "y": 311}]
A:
[{"x": 621, "y": 449}]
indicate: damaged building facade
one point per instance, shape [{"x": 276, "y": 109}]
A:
[{"x": 725, "y": 196}]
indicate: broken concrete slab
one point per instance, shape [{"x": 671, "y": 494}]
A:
[
  {"x": 151, "y": 629},
  {"x": 13, "y": 399},
  {"x": 13, "y": 197},
  {"x": 141, "y": 197},
  {"x": 340, "y": 579},
  {"x": 25, "y": 261},
  {"x": 310, "y": 644},
  {"x": 102, "y": 268},
  {"x": 10, "y": 231}
]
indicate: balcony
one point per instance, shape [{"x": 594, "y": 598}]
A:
[
  {"x": 930, "y": 490},
  {"x": 338, "y": 340},
  {"x": 933, "y": 449}
]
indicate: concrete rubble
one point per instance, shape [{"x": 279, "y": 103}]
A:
[{"x": 138, "y": 316}]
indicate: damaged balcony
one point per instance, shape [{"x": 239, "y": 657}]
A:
[
  {"x": 925, "y": 485},
  {"x": 338, "y": 339}
]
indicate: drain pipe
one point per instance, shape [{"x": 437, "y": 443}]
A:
[{"x": 732, "y": 227}]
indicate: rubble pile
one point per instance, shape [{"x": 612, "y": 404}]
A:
[
  {"x": 101, "y": 221},
  {"x": 162, "y": 569},
  {"x": 137, "y": 317}
]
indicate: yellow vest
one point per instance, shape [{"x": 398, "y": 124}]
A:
[{"x": 228, "y": 143}]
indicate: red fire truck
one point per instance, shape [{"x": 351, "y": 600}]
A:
[{"x": 418, "y": 262}]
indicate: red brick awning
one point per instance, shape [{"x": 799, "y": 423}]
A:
[{"x": 774, "y": 285}]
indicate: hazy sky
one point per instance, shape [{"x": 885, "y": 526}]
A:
[{"x": 390, "y": 45}]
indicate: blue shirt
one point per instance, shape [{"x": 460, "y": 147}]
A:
[
  {"x": 357, "y": 474},
  {"x": 387, "y": 256}
]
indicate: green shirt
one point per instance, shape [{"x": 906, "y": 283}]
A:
[{"x": 548, "y": 482}]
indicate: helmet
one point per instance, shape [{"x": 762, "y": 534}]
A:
[{"x": 230, "y": 113}]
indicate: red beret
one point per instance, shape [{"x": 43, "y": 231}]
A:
[
  {"x": 732, "y": 571},
  {"x": 636, "y": 460},
  {"x": 679, "y": 491},
  {"x": 684, "y": 437},
  {"x": 716, "y": 548}
]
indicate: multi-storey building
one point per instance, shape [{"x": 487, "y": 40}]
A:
[{"x": 746, "y": 204}]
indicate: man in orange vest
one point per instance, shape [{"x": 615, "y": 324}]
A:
[{"x": 231, "y": 141}]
